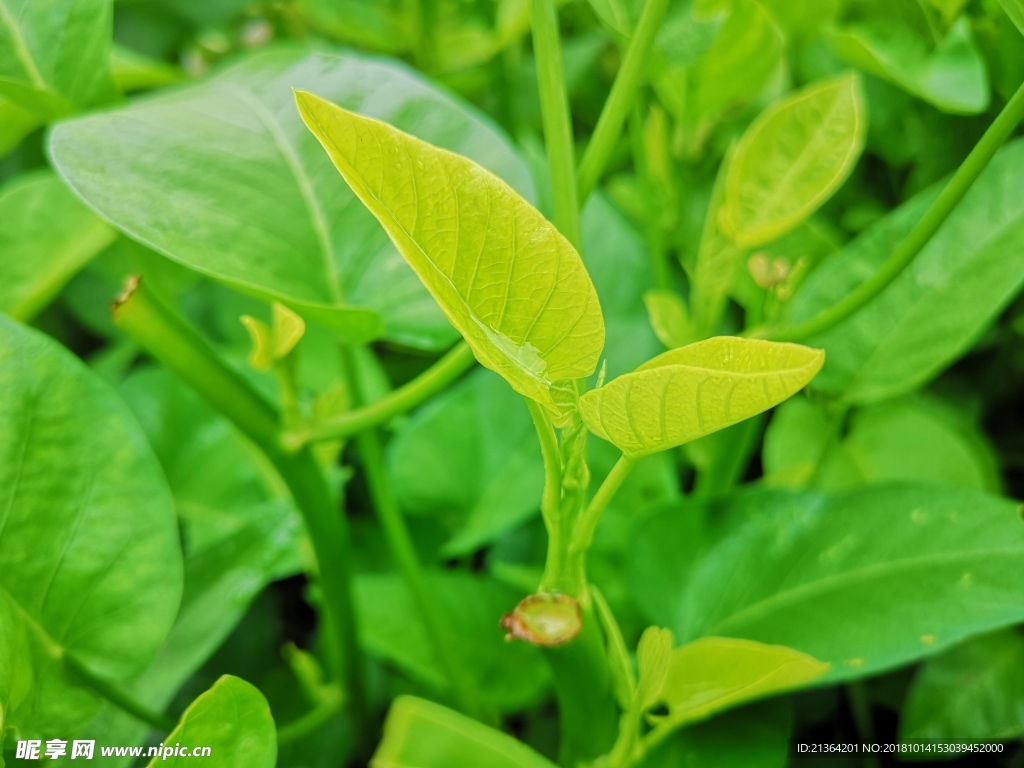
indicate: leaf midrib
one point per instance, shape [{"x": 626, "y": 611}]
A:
[{"x": 21, "y": 50}]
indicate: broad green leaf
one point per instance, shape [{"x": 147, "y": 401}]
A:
[
  {"x": 470, "y": 457},
  {"x": 134, "y": 72},
  {"x": 90, "y": 563},
  {"x": 373, "y": 24},
  {"x": 970, "y": 692},
  {"x": 55, "y": 59},
  {"x": 46, "y": 236},
  {"x": 422, "y": 734},
  {"x": 887, "y": 563},
  {"x": 952, "y": 77},
  {"x": 692, "y": 391},
  {"x": 507, "y": 676},
  {"x": 756, "y": 736},
  {"x": 503, "y": 275},
  {"x": 669, "y": 318},
  {"x": 803, "y": 449},
  {"x": 716, "y": 673},
  {"x": 936, "y": 308},
  {"x": 15, "y": 124},
  {"x": 1015, "y": 10},
  {"x": 250, "y": 198},
  {"x": 233, "y": 720},
  {"x": 792, "y": 159}
]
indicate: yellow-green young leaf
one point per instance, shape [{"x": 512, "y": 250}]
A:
[
  {"x": 692, "y": 391},
  {"x": 503, "y": 275},
  {"x": 1015, "y": 10},
  {"x": 289, "y": 329},
  {"x": 653, "y": 658},
  {"x": 715, "y": 673},
  {"x": 669, "y": 318},
  {"x": 422, "y": 734},
  {"x": 261, "y": 355},
  {"x": 792, "y": 159}
]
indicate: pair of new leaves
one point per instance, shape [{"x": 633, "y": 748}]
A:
[{"x": 520, "y": 295}]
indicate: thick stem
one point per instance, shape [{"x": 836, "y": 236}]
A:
[
  {"x": 918, "y": 238},
  {"x": 117, "y": 697},
  {"x": 588, "y": 714},
  {"x": 167, "y": 337},
  {"x": 456, "y": 362},
  {"x": 613, "y": 114},
  {"x": 554, "y": 106},
  {"x": 403, "y": 551}
]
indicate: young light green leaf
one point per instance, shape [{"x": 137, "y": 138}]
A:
[
  {"x": 503, "y": 275},
  {"x": 715, "y": 673},
  {"x": 937, "y": 307},
  {"x": 922, "y": 548},
  {"x": 251, "y": 199},
  {"x": 54, "y": 62},
  {"x": 692, "y": 391},
  {"x": 653, "y": 658},
  {"x": 792, "y": 159},
  {"x": 1015, "y": 10},
  {"x": 669, "y": 318},
  {"x": 233, "y": 721},
  {"x": 46, "y": 236},
  {"x": 952, "y": 77},
  {"x": 422, "y": 734},
  {"x": 970, "y": 692},
  {"x": 90, "y": 560}
]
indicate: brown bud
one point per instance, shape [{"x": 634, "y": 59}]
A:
[{"x": 544, "y": 619}]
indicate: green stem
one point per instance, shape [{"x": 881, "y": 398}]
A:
[
  {"x": 554, "y": 107},
  {"x": 402, "y": 549},
  {"x": 117, "y": 697},
  {"x": 661, "y": 274},
  {"x": 613, "y": 114},
  {"x": 314, "y": 719},
  {"x": 165, "y": 336},
  {"x": 915, "y": 241},
  {"x": 456, "y": 362},
  {"x": 587, "y": 525},
  {"x": 551, "y": 499}
]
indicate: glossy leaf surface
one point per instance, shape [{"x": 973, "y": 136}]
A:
[
  {"x": 422, "y": 734},
  {"x": 791, "y": 160},
  {"x": 503, "y": 275},
  {"x": 55, "y": 59},
  {"x": 888, "y": 563},
  {"x": 937, "y": 307},
  {"x": 692, "y": 391},
  {"x": 90, "y": 563},
  {"x": 233, "y": 720},
  {"x": 252, "y": 200},
  {"x": 46, "y": 236}
]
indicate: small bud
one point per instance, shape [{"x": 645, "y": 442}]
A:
[{"x": 544, "y": 619}]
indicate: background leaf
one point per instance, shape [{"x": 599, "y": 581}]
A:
[
  {"x": 90, "y": 563},
  {"x": 936, "y": 308},
  {"x": 250, "y": 197},
  {"x": 234, "y": 721},
  {"x": 792, "y": 159},
  {"x": 46, "y": 236}
]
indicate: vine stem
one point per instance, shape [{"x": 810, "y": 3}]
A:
[
  {"x": 587, "y": 525},
  {"x": 442, "y": 373},
  {"x": 169, "y": 339},
  {"x": 919, "y": 236},
  {"x": 117, "y": 697},
  {"x": 402, "y": 549},
  {"x": 554, "y": 108},
  {"x": 624, "y": 90}
]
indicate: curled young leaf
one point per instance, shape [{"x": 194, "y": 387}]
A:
[
  {"x": 503, "y": 275},
  {"x": 653, "y": 656},
  {"x": 792, "y": 159},
  {"x": 692, "y": 391},
  {"x": 716, "y": 673}
]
